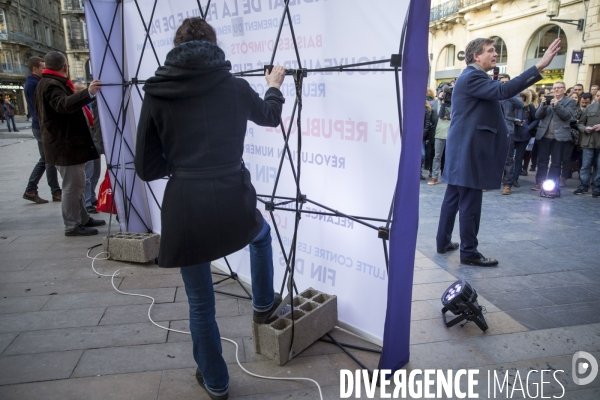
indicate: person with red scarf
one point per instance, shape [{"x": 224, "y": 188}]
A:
[{"x": 66, "y": 137}]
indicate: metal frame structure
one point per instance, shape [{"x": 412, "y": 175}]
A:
[{"x": 272, "y": 202}]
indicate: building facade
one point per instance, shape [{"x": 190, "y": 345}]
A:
[
  {"x": 522, "y": 31},
  {"x": 76, "y": 40},
  {"x": 27, "y": 28}
]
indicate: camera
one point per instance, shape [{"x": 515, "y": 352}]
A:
[{"x": 447, "y": 90}]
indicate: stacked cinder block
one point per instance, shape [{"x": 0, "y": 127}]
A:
[
  {"x": 315, "y": 314},
  {"x": 133, "y": 247}
]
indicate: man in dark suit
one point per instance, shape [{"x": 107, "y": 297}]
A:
[{"x": 477, "y": 144}]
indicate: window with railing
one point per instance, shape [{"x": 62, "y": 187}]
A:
[
  {"x": 73, "y": 5},
  {"x": 443, "y": 10}
]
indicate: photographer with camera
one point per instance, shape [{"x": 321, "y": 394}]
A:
[
  {"x": 441, "y": 132},
  {"x": 477, "y": 144},
  {"x": 553, "y": 133}
]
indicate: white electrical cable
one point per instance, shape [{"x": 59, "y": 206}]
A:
[{"x": 112, "y": 281}]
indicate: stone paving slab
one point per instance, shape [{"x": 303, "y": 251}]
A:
[
  {"x": 116, "y": 315},
  {"x": 229, "y": 327},
  {"x": 6, "y": 339},
  {"x": 575, "y": 314},
  {"x": 152, "y": 357},
  {"x": 568, "y": 294},
  {"x": 106, "y": 299},
  {"x": 532, "y": 320},
  {"x": 92, "y": 284},
  {"x": 140, "y": 386},
  {"x": 38, "y": 367},
  {"x": 433, "y": 276},
  {"x": 147, "y": 282},
  {"x": 40, "y": 320},
  {"x": 85, "y": 338},
  {"x": 14, "y": 265},
  {"x": 452, "y": 354},
  {"x": 50, "y": 275},
  {"x": 319, "y": 368},
  {"x": 531, "y": 345},
  {"x": 22, "y": 304}
]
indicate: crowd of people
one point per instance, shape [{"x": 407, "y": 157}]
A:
[{"x": 554, "y": 132}]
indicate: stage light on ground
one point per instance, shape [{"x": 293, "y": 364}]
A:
[
  {"x": 461, "y": 299},
  {"x": 550, "y": 188},
  {"x": 549, "y": 185}
]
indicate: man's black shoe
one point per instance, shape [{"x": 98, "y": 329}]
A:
[
  {"x": 479, "y": 261},
  {"x": 16, "y": 130},
  {"x": 261, "y": 317},
  {"x": 516, "y": 184},
  {"x": 91, "y": 210},
  {"x": 580, "y": 191},
  {"x": 532, "y": 168},
  {"x": 200, "y": 380},
  {"x": 595, "y": 194},
  {"x": 449, "y": 247},
  {"x": 94, "y": 222},
  {"x": 81, "y": 230}
]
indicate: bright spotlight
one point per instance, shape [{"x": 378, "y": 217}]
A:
[
  {"x": 550, "y": 188},
  {"x": 549, "y": 185}
]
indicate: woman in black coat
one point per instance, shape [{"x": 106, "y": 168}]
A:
[{"x": 192, "y": 128}]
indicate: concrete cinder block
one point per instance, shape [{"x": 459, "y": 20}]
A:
[
  {"x": 315, "y": 314},
  {"x": 133, "y": 247}
]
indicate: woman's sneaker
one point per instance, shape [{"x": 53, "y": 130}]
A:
[
  {"x": 200, "y": 380},
  {"x": 261, "y": 317}
]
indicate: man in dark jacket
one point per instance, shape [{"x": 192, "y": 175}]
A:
[
  {"x": 9, "y": 112},
  {"x": 477, "y": 145},
  {"x": 509, "y": 107},
  {"x": 36, "y": 66},
  {"x": 67, "y": 139},
  {"x": 589, "y": 126}
]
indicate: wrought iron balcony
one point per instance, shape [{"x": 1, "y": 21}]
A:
[
  {"x": 18, "y": 37},
  {"x": 72, "y": 5},
  {"x": 78, "y": 44},
  {"x": 444, "y": 10},
  {"x": 14, "y": 69}
]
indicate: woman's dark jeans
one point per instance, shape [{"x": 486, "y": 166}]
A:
[{"x": 201, "y": 298}]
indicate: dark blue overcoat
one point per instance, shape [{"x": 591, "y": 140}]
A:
[{"x": 478, "y": 141}]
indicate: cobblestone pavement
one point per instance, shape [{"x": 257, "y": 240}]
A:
[{"x": 66, "y": 334}]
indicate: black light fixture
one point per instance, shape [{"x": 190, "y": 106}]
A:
[
  {"x": 461, "y": 299},
  {"x": 553, "y": 10},
  {"x": 550, "y": 189}
]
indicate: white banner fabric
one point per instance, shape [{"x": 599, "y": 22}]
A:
[{"x": 349, "y": 130}]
